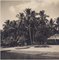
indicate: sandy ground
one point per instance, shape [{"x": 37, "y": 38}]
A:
[
  {"x": 51, "y": 48},
  {"x": 33, "y": 52}
]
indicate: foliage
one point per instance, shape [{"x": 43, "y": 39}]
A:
[{"x": 35, "y": 29}]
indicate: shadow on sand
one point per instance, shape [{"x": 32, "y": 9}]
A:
[{"x": 10, "y": 55}]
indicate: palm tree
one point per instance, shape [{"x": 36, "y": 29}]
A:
[
  {"x": 42, "y": 27},
  {"x": 6, "y": 28},
  {"x": 31, "y": 23},
  {"x": 10, "y": 30},
  {"x": 57, "y": 20},
  {"x": 6, "y": 24},
  {"x": 57, "y": 24},
  {"x": 43, "y": 16},
  {"x": 23, "y": 26},
  {"x": 52, "y": 27},
  {"x": 28, "y": 16}
]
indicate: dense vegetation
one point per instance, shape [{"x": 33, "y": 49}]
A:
[{"x": 30, "y": 28}]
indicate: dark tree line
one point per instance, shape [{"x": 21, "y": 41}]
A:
[{"x": 30, "y": 28}]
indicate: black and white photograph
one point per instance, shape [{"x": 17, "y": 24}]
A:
[{"x": 29, "y": 29}]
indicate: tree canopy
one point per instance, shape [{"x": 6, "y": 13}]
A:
[{"x": 34, "y": 29}]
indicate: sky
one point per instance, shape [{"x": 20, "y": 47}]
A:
[{"x": 10, "y": 8}]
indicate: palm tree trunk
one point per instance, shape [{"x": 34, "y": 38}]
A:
[
  {"x": 33, "y": 35},
  {"x": 30, "y": 34}
]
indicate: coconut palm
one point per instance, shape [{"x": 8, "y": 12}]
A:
[{"x": 42, "y": 27}]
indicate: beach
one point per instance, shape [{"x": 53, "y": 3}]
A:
[{"x": 30, "y": 52}]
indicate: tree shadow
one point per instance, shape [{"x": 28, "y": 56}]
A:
[{"x": 37, "y": 46}]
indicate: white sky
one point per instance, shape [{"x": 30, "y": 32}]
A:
[{"x": 10, "y": 8}]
